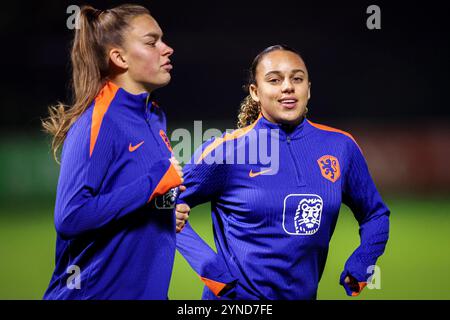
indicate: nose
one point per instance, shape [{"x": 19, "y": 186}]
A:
[
  {"x": 166, "y": 50},
  {"x": 287, "y": 86}
]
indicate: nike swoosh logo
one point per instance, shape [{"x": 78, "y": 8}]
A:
[
  {"x": 134, "y": 148},
  {"x": 252, "y": 174}
]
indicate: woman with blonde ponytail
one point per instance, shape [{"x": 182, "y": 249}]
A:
[
  {"x": 115, "y": 225},
  {"x": 275, "y": 186}
]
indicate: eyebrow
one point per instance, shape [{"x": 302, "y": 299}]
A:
[
  {"x": 153, "y": 34},
  {"x": 280, "y": 73}
]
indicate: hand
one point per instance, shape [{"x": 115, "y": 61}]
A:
[
  {"x": 182, "y": 214},
  {"x": 177, "y": 167},
  {"x": 352, "y": 283}
]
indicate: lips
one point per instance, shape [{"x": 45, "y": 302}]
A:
[
  {"x": 167, "y": 66},
  {"x": 288, "y": 102}
]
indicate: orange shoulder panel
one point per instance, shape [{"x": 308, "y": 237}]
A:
[
  {"x": 227, "y": 137},
  {"x": 327, "y": 128},
  {"x": 102, "y": 103}
]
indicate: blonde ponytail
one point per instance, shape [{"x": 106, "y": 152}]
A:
[{"x": 98, "y": 30}]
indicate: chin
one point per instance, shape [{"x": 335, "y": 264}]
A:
[
  {"x": 166, "y": 80},
  {"x": 156, "y": 85},
  {"x": 292, "y": 118}
]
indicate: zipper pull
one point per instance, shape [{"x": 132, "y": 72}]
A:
[{"x": 288, "y": 139}]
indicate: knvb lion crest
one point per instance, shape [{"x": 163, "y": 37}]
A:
[
  {"x": 329, "y": 167},
  {"x": 165, "y": 139},
  {"x": 302, "y": 214}
]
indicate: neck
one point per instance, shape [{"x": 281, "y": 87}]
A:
[
  {"x": 125, "y": 83},
  {"x": 294, "y": 124},
  {"x": 288, "y": 125}
]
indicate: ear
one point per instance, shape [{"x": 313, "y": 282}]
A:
[
  {"x": 309, "y": 90},
  {"x": 117, "y": 57},
  {"x": 253, "y": 90}
]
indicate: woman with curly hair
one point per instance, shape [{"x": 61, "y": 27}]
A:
[{"x": 272, "y": 225}]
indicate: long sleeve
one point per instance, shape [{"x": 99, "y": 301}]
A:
[
  {"x": 204, "y": 177},
  {"x": 204, "y": 260},
  {"x": 204, "y": 183},
  {"x": 89, "y": 196},
  {"x": 362, "y": 197}
]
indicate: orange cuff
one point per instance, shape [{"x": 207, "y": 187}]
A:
[
  {"x": 362, "y": 285},
  {"x": 214, "y": 286},
  {"x": 170, "y": 180}
]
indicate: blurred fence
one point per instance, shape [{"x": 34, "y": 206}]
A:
[
  {"x": 27, "y": 171},
  {"x": 407, "y": 158},
  {"x": 402, "y": 159}
]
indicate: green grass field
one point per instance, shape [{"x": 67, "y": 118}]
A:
[{"x": 415, "y": 265}]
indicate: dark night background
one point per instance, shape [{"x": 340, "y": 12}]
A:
[
  {"x": 387, "y": 87},
  {"x": 397, "y": 74}
]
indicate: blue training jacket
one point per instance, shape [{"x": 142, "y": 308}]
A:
[
  {"x": 113, "y": 215},
  {"x": 273, "y": 220}
]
